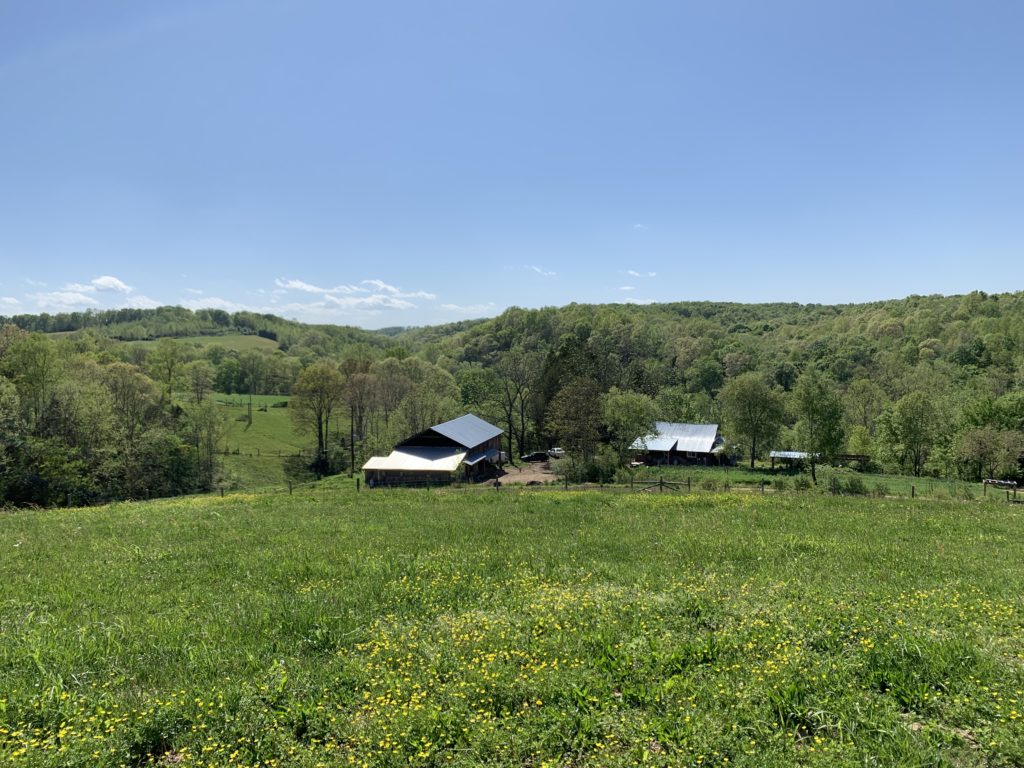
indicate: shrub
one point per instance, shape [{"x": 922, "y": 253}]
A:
[
  {"x": 881, "y": 489},
  {"x": 709, "y": 484},
  {"x": 780, "y": 484},
  {"x": 856, "y": 487},
  {"x": 801, "y": 483}
]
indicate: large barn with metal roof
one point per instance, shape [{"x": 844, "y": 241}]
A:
[
  {"x": 464, "y": 448},
  {"x": 674, "y": 443}
]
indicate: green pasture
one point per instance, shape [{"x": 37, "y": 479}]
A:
[
  {"x": 255, "y": 452},
  {"x": 504, "y": 628}
]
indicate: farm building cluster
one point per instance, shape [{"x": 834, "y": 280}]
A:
[{"x": 469, "y": 449}]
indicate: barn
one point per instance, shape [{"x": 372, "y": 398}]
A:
[
  {"x": 464, "y": 448},
  {"x": 675, "y": 443}
]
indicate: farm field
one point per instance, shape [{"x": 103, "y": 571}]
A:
[
  {"x": 509, "y": 628},
  {"x": 255, "y": 451}
]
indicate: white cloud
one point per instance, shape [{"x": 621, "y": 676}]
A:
[
  {"x": 35, "y": 283},
  {"x": 194, "y": 291},
  {"x": 102, "y": 283},
  {"x": 215, "y": 302},
  {"x": 375, "y": 301},
  {"x": 109, "y": 283},
  {"x": 138, "y": 301},
  {"x": 470, "y": 309},
  {"x": 641, "y": 227},
  {"x": 540, "y": 271},
  {"x": 627, "y": 288},
  {"x": 9, "y": 301},
  {"x": 63, "y": 300},
  {"x": 299, "y": 285},
  {"x": 634, "y": 273},
  {"x": 391, "y": 290}
]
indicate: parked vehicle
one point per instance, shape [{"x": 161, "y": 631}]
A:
[
  {"x": 535, "y": 456},
  {"x": 556, "y": 453}
]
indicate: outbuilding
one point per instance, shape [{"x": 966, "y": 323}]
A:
[
  {"x": 677, "y": 443},
  {"x": 464, "y": 448}
]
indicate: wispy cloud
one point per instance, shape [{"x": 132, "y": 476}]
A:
[
  {"x": 391, "y": 290},
  {"x": 35, "y": 283},
  {"x": 63, "y": 300},
  {"x": 9, "y": 301},
  {"x": 194, "y": 291},
  {"x": 470, "y": 309},
  {"x": 540, "y": 271},
  {"x": 627, "y": 288},
  {"x": 634, "y": 273},
  {"x": 299, "y": 285},
  {"x": 641, "y": 227},
  {"x": 370, "y": 294},
  {"x": 106, "y": 283}
]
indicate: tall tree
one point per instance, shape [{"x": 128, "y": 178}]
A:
[
  {"x": 517, "y": 371},
  {"x": 752, "y": 410},
  {"x": 318, "y": 393},
  {"x": 626, "y": 416},
  {"x": 166, "y": 362},
  {"x": 200, "y": 375},
  {"x": 819, "y": 426},
  {"x": 909, "y": 429},
  {"x": 574, "y": 418}
]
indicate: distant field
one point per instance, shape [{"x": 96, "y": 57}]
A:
[
  {"x": 256, "y": 451},
  {"x": 238, "y": 341},
  {"x": 433, "y": 628}
]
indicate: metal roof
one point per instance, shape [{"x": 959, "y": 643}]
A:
[
  {"x": 418, "y": 458},
  {"x": 468, "y": 430},
  {"x": 670, "y": 435},
  {"x": 491, "y": 454},
  {"x": 788, "y": 455}
]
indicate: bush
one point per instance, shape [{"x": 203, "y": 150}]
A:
[
  {"x": 856, "y": 487},
  {"x": 801, "y": 483},
  {"x": 881, "y": 489},
  {"x": 780, "y": 484},
  {"x": 709, "y": 484}
]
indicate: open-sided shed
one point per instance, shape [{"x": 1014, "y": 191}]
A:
[{"x": 467, "y": 447}]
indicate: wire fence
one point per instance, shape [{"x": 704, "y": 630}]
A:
[{"x": 915, "y": 489}]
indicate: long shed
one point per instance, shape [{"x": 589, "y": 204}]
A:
[{"x": 678, "y": 443}]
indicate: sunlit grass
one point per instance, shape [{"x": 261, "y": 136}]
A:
[{"x": 445, "y": 628}]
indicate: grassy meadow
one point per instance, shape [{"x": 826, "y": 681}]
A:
[
  {"x": 447, "y": 628},
  {"x": 255, "y": 451}
]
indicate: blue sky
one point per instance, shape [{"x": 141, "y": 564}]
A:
[{"x": 404, "y": 163}]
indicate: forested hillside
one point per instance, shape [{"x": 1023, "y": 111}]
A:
[{"x": 116, "y": 404}]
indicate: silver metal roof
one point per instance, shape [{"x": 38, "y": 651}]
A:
[
  {"x": 788, "y": 455},
  {"x": 670, "y": 435},
  {"x": 468, "y": 430}
]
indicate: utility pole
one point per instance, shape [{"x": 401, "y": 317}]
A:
[{"x": 352, "y": 440}]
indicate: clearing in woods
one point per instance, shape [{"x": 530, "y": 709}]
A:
[{"x": 511, "y": 628}]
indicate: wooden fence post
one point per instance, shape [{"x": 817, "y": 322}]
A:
[
  {"x": 289, "y": 487},
  {"x": 912, "y": 491}
]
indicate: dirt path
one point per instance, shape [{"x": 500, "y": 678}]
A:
[{"x": 539, "y": 472}]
